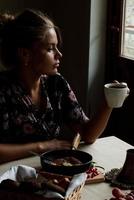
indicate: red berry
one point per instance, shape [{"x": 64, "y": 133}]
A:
[{"x": 118, "y": 193}]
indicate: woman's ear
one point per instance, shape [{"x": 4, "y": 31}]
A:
[{"x": 24, "y": 56}]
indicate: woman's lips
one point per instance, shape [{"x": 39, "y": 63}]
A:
[{"x": 56, "y": 65}]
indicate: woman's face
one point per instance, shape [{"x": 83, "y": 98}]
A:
[{"x": 45, "y": 56}]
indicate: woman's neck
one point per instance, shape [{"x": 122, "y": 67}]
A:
[{"x": 31, "y": 83}]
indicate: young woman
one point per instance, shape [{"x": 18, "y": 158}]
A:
[{"x": 35, "y": 100}]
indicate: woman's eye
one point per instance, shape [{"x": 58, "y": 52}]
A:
[
  {"x": 53, "y": 49},
  {"x": 50, "y": 49}
]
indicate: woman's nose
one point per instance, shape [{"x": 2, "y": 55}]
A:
[{"x": 58, "y": 53}]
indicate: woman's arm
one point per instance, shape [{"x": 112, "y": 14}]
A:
[
  {"x": 9, "y": 152},
  {"x": 91, "y": 130}
]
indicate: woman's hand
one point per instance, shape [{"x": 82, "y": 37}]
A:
[
  {"x": 54, "y": 145},
  {"x": 9, "y": 152}
]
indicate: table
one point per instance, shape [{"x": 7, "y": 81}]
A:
[{"x": 109, "y": 152}]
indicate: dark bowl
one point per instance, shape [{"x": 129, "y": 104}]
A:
[{"x": 48, "y": 158}]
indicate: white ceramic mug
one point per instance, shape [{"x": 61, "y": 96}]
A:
[{"x": 116, "y": 93}]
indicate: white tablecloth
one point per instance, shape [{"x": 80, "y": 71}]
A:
[{"x": 109, "y": 152}]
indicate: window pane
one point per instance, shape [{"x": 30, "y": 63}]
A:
[{"x": 127, "y": 45}]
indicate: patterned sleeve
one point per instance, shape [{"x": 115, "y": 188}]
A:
[
  {"x": 73, "y": 113},
  {"x": 4, "y": 123}
]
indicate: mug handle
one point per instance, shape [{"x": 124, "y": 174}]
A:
[{"x": 128, "y": 92}]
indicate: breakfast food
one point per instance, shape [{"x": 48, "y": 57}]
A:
[
  {"x": 56, "y": 179},
  {"x": 30, "y": 185},
  {"x": 10, "y": 189},
  {"x": 44, "y": 181},
  {"x": 118, "y": 194},
  {"x": 94, "y": 175},
  {"x": 25, "y": 186},
  {"x": 10, "y": 184},
  {"x": 67, "y": 161}
]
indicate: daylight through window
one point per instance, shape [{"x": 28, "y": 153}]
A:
[{"x": 127, "y": 44}]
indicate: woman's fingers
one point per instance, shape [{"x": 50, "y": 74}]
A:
[
  {"x": 115, "y": 81},
  {"x": 60, "y": 144}
]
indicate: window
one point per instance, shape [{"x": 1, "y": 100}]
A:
[
  {"x": 127, "y": 42},
  {"x": 120, "y": 64}
]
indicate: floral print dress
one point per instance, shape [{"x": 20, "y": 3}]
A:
[{"x": 22, "y": 121}]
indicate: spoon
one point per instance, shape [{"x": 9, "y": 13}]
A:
[{"x": 76, "y": 141}]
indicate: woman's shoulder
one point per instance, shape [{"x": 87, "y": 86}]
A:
[
  {"x": 56, "y": 79},
  {"x": 56, "y": 76},
  {"x": 56, "y": 82}
]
